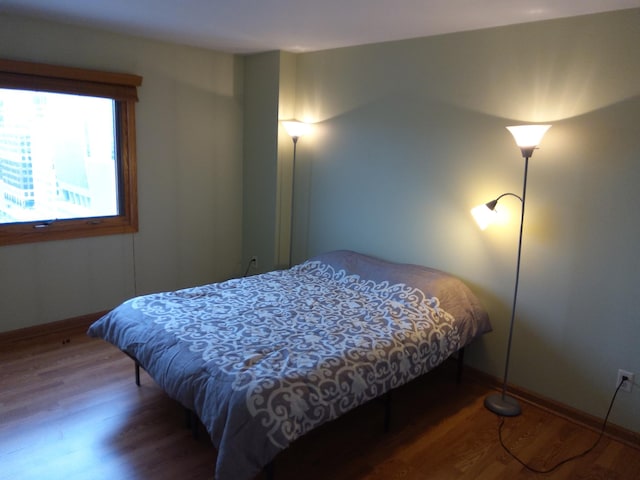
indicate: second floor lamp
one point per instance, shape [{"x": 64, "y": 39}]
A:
[{"x": 295, "y": 129}]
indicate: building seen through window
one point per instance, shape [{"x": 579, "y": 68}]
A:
[{"x": 58, "y": 156}]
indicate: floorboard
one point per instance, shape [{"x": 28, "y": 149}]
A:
[{"x": 69, "y": 409}]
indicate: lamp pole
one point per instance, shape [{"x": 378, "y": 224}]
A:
[
  {"x": 293, "y": 191},
  {"x": 295, "y": 129},
  {"x": 502, "y": 404}
]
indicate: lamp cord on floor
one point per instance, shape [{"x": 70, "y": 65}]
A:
[{"x": 566, "y": 460}]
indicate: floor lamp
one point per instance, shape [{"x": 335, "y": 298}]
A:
[
  {"x": 528, "y": 138},
  {"x": 295, "y": 129}
]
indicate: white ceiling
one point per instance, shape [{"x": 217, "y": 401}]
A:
[{"x": 248, "y": 26}]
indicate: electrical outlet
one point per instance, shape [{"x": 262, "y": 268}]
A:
[
  {"x": 628, "y": 384},
  {"x": 254, "y": 261}
]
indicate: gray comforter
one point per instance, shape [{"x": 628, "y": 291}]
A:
[{"x": 262, "y": 360}]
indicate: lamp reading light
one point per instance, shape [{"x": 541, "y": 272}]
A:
[{"x": 484, "y": 215}]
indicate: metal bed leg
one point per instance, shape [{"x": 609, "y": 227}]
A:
[
  {"x": 192, "y": 422},
  {"x": 137, "y": 373},
  {"x": 460, "y": 366},
  {"x": 136, "y": 366}
]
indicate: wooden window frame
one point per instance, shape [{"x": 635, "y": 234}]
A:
[{"x": 120, "y": 87}]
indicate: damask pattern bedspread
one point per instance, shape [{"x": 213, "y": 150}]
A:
[{"x": 262, "y": 360}]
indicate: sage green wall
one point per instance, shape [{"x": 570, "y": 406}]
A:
[
  {"x": 410, "y": 136},
  {"x": 189, "y": 133},
  {"x": 269, "y": 96},
  {"x": 260, "y": 197}
]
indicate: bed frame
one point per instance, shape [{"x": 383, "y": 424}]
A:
[{"x": 193, "y": 422}]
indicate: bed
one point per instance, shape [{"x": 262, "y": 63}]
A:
[{"x": 262, "y": 360}]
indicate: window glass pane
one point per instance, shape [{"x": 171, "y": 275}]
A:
[{"x": 57, "y": 156}]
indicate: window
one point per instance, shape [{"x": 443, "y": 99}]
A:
[{"x": 67, "y": 152}]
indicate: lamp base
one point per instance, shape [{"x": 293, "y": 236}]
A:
[{"x": 502, "y": 405}]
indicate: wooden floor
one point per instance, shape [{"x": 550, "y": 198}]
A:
[{"x": 69, "y": 409}]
